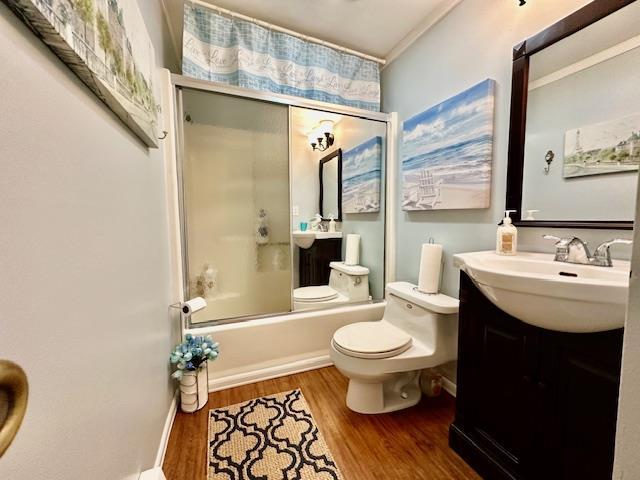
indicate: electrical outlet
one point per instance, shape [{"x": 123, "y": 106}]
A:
[{"x": 295, "y": 210}]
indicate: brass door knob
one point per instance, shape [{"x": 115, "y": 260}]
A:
[{"x": 15, "y": 389}]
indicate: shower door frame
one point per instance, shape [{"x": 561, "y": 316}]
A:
[{"x": 179, "y": 82}]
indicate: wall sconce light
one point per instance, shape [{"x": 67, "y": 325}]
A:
[
  {"x": 322, "y": 137},
  {"x": 522, "y": 2}
]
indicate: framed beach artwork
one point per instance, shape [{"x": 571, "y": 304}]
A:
[
  {"x": 105, "y": 43},
  {"x": 447, "y": 153},
  {"x": 361, "y": 170},
  {"x": 610, "y": 147}
]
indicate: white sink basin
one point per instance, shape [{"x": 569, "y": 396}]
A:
[
  {"x": 552, "y": 295},
  {"x": 305, "y": 239}
]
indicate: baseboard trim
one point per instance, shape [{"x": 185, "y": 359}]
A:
[
  {"x": 166, "y": 431},
  {"x": 230, "y": 381},
  {"x": 449, "y": 386}
]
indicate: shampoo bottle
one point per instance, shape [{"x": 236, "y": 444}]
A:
[{"x": 507, "y": 236}]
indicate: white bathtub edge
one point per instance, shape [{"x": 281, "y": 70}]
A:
[{"x": 253, "y": 376}]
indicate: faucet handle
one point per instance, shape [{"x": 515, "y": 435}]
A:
[
  {"x": 602, "y": 255},
  {"x": 564, "y": 240},
  {"x": 553, "y": 237},
  {"x": 560, "y": 241},
  {"x": 608, "y": 243}
]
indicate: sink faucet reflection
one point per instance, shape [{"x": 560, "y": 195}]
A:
[{"x": 575, "y": 250}]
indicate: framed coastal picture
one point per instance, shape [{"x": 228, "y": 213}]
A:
[
  {"x": 447, "y": 153},
  {"x": 105, "y": 43},
  {"x": 361, "y": 170},
  {"x": 610, "y": 147}
]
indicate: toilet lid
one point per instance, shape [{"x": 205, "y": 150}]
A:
[
  {"x": 371, "y": 339},
  {"x": 314, "y": 294}
]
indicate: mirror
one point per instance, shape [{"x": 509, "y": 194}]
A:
[
  {"x": 575, "y": 122},
  {"x": 348, "y": 182},
  {"x": 331, "y": 186}
]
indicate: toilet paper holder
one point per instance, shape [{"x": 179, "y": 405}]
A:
[{"x": 189, "y": 307}]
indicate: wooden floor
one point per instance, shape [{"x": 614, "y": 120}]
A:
[{"x": 411, "y": 444}]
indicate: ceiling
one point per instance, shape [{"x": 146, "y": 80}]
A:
[{"x": 376, "y": 27}]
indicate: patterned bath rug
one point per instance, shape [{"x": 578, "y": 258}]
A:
[{"x": 268, "y": 438}]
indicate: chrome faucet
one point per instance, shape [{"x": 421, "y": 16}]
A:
[{"x": 574, "y": 250}]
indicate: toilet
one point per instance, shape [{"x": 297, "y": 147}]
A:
[
  {"x": 347, "y": 284},
  {"x": 383, "y": 359}
]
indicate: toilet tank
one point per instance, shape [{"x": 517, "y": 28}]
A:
[
  {"x": 352, "y": 281},
  {"x": 431, "y": 319}
]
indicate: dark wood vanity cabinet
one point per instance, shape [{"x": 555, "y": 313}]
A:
[
  {"x": 533, "y": 403},
  {"x": 314, "y": 261}
]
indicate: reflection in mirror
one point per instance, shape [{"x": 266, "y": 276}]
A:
[
  {"x": 331, "y": 186},
  {"x": 582, "y": 146},
  {"x": 331, "y": 268}
]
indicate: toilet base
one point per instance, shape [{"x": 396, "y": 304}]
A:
[{"x": 400, "y": 391}]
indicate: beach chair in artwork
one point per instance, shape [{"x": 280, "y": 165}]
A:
[{"x": 428, "y": 189}]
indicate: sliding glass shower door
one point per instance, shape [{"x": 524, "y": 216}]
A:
[{"x": 235, "y": 205}]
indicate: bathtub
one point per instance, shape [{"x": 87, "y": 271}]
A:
[{"x": 261, "y": 349}]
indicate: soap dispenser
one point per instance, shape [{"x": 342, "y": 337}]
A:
[
  {"x": 507, "y": 236},
  {"x": 332, "y": 223}
]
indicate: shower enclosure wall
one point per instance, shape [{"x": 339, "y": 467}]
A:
[
  {"x": 240, "y": 155},
  {"x": 235, "y": 177}
]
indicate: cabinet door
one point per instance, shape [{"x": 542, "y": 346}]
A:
[
  {"x": 578, "y": 382},
  {"x": 315, "y": 260},
  {"x": 498, "y": 357}
]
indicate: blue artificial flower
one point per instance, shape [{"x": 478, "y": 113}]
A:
[{"x": 192, "y": 353}]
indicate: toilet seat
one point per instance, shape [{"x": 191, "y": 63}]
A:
[
  {"x": 371, "y": 340},
  {"x": 320, "y": 293}
]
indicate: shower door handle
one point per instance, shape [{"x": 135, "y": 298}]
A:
[{"x": 14, "y": 391}]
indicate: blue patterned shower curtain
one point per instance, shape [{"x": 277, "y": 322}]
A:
[{"x": 237, "y": 52}]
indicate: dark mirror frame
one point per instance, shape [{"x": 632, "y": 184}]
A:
[
  {"x": 580, "y": 19},
  {"x": 328, "y": 158}
]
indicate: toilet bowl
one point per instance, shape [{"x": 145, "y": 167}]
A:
[
  {"x": 383, "y": 359},
  {"x": 347, "y": 284}
]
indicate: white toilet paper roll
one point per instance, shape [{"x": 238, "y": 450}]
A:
[
  {"x": 352, "y": 253},
  {"x": 430, "y": 267},
  {"x": 194, "y": 305}
]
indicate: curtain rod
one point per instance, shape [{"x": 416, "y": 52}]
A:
[{"x": 271, "y": 26}]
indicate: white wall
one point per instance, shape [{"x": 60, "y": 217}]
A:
[
  {"x": 84, "y": 282},
  {"x": 627, "y": 460},
  {"x": 472, "y": 43}
]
